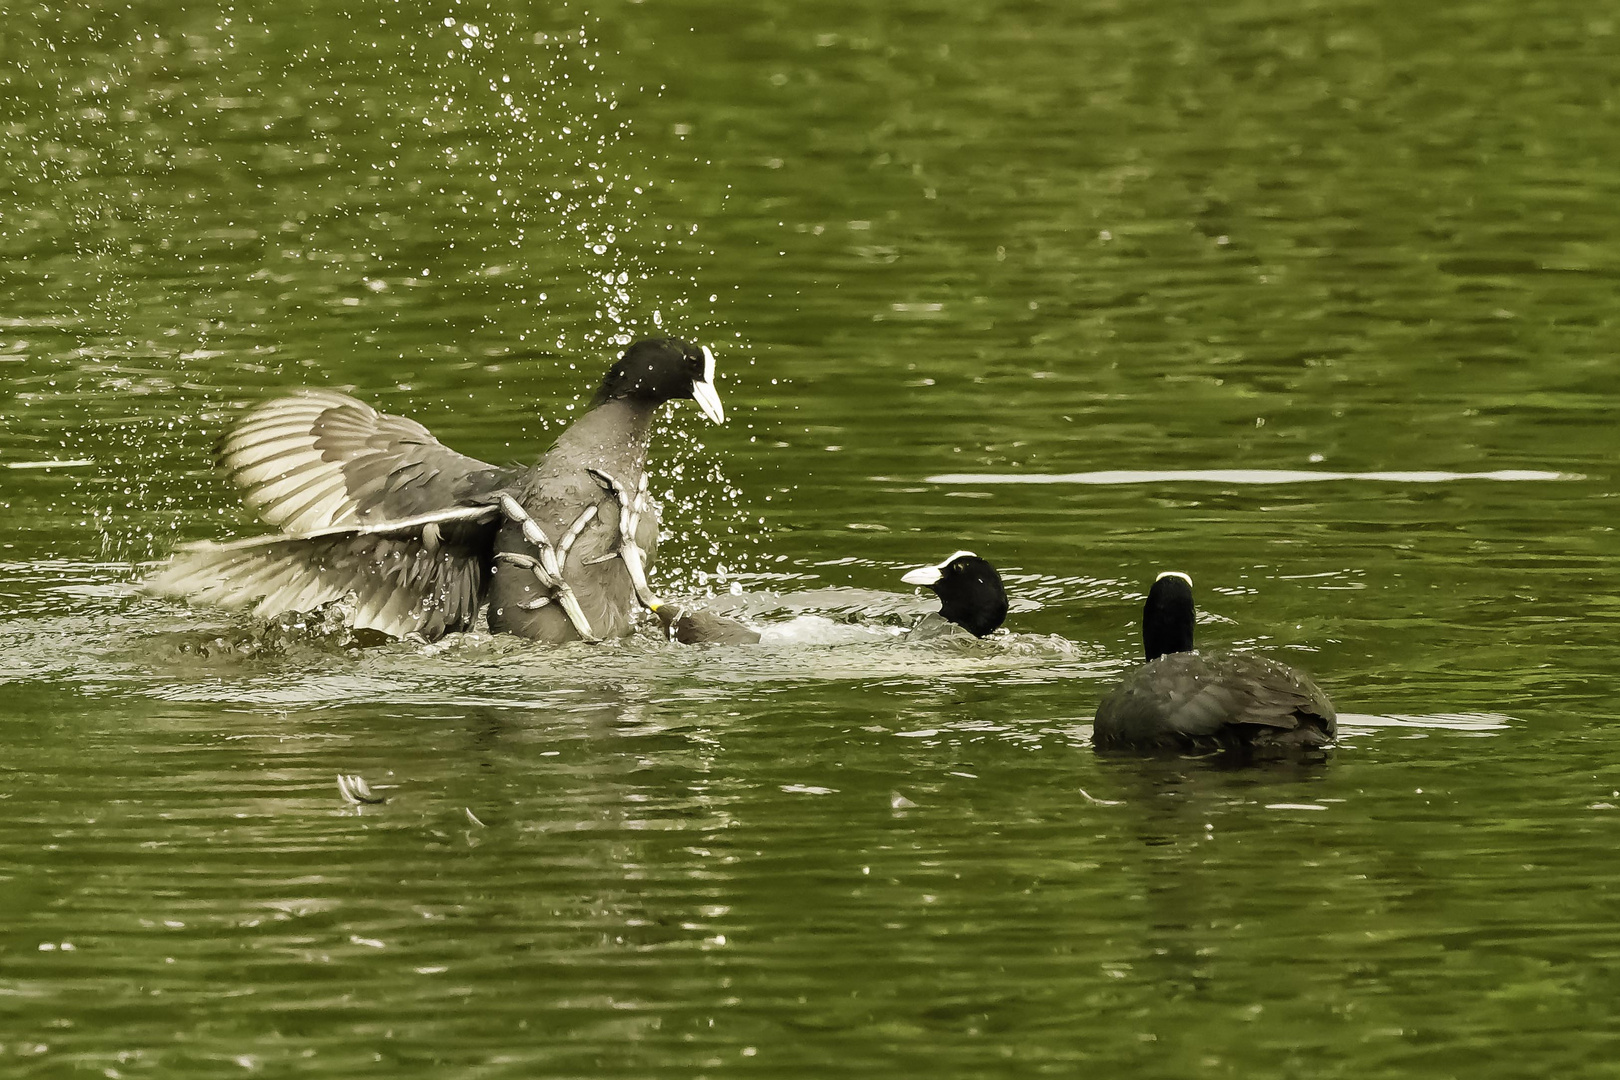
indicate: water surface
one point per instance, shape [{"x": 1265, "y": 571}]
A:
[{"x": 941, "y": 254}]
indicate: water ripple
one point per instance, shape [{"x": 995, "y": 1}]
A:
[{"x": 1245, "y": 476}]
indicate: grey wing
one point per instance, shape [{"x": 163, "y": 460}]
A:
[
  {"x": 319, "y": 459},
  {"x": 422, "y": 576},
  {"x": 1160, "y": 701},
  {"x": 1197, "y": 696},
  {"x": 1272, "y": 693},
  {"x": 1222, "y": 689}
]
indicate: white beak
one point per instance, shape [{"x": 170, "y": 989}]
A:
[
  {"x": 929, "y": 575},
  {"x": 704, "y": 393},
  {"x": 923, "y": 575}
]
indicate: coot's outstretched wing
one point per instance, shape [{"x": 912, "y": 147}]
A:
[
  {"x": 370, "y": 506},
  {"x": 1218, "y": 698},
  {"x": 319, "y": 459},
  {"x": 425, "y": 576}
]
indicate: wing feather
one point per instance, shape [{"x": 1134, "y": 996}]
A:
[
  {"x": 400, "y": 584},
  {"x": 319, "y": 459}
]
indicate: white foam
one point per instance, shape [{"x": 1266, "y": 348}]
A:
[{"x": 1446, "y": 721}]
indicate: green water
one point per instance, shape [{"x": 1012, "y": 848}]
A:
[{"x": 968, "y": 240}]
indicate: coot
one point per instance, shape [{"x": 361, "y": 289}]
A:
[
  {"x": 1182, "y": 699},
  {"x": 969, "y": 589},
  {"x": 373, "y": 507}
]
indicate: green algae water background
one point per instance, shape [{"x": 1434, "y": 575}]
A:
[{"x": 1085, "y": 287}]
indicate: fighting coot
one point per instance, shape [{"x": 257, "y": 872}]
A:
[
  {"x": 374, "y": 507},
  {"x": 969, "y": 589}
]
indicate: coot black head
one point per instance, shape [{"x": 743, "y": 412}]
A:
[
  {"x": 664, "y": 369},
  {"x": 969, "y": 589},
  {"x": 1167, "y": 617}
]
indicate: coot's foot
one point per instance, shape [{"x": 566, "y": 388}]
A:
[
  {"x": 547, "y": 565},
  {"x": 630, "y": 509}
]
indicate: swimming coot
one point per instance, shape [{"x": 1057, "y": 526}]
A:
[
  {"x": 969, "y": 589},
  {"x": 374, "y": 507},
  {"x": 1189, "y": 700}
]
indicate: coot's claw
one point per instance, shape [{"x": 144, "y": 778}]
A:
[
  {"x": 547, "y": 563},
  {"x": 630, "y": 509},
  {"x": 526, "y": 562}
]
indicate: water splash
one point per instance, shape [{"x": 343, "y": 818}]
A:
[{"x": 472, "y": 201}]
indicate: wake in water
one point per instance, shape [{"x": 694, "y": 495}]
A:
[
  {"x": 84, "y": 626},
  {"x": 88, "y": 627}
]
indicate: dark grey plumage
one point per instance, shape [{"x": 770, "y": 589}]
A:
[
  {"x": 374, "y": 508},
  {"x": 1189, "y": 700},
  {"x": 1215, "y": 699}
]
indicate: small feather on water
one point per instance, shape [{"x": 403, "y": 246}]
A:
[{"x": 356, "y": 791}]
